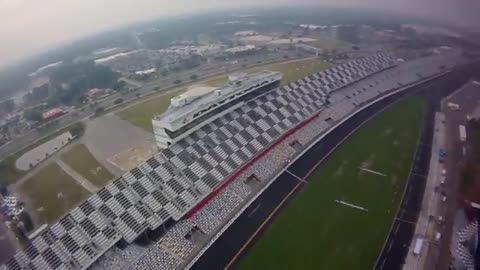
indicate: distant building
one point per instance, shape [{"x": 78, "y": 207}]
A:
[
  {"x": 240, "y": 49},
  {"x": 95, "y": 92},
  {"x": 313, "y": 26},
  {"x": 52, "y": 114},
  {"x": 245, "y": 33},
  {"x": 146, "y": 72}
]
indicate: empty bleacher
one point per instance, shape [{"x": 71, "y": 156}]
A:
[{"x": 173, "y": 181}]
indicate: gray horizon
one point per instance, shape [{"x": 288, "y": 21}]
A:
[{"x": 29, "y": 27}]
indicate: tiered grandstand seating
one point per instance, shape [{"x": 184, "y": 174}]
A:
[
  {"x": 169, "y": 184},
  {"x": 465, "y": 237},
  {"x": 116, "y": 258},
  {"x": 155, "y": 258},
  {"x": 466, "y": 257},
  {"x": 175, "y": 241}
]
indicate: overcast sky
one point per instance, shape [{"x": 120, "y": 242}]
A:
[{"x": 32, "y": 26}]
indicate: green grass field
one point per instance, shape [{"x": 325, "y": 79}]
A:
[
  {"x": 295, "y": 69},
  {"x": 82, "y": 161},
  {"x": 327, "y": 43},
  {"x": 141, "y": 114},
  {"x": 315, "y": 232},
  {"x": 292, "y": 70},
  {"x": 52, "y": 192}
]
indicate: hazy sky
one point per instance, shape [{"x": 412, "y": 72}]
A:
[{"x": 32, "y": 26}]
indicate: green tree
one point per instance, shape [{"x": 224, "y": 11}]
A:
[
  {"x": 410, "y": 32},
  {"x": 40, "y": 92},
  {"x": 306, "y": 31},
  {"x": 7, "y": 106},
  {"x": 33, "y": 115},
  {"x": 119, "y": 85},
  {"x": 77, "y": 129},
  {"x": 79, "y": 78},
  {"x": 99, "y": 111},
  {"x": 26, "y": 220},
  {"x": 348, "y": 34},
  {"x": 3, "y": 188}
]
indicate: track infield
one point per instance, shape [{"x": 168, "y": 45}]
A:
[{"x": 319, "y": 229}]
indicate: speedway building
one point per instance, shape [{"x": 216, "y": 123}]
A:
[{"x": 218, "y": 148}]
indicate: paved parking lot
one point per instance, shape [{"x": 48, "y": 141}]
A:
[
  {"x": 42, "y": 152},
  {"x": 109, "y": 135},
  {"x": 467, "y": 97}
]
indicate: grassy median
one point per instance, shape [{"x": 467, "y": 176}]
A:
[{"x": 52, "y": 192}]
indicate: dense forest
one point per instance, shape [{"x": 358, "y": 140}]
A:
[{"x": 71, "y": 81}]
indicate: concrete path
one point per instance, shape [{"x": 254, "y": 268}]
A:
[
  {"x": 77, "y": 177},
  {"x": 431, "y": 204}
]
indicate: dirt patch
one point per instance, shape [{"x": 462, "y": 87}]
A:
[
  {"x": 130, "y": 158},
  {"x": 109, "y": 138}
]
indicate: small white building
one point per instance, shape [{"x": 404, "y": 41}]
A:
[
  {"x": 240, "y": 49},
  {"x": 146, "y": 72},
  {"x": 245, "y": 33}
]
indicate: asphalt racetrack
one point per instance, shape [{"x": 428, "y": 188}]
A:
[{"x": 226, "y": 250}]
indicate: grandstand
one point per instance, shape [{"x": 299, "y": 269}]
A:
[
  {"x": 194, "y": 109},
  {"x": 465, "y": 245},
  {"x": 199, "y": 182}
]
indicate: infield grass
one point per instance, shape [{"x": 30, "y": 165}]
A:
[{"x": 314, "y": 231}]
